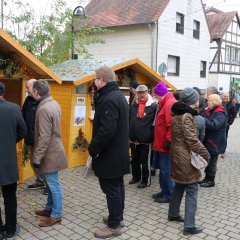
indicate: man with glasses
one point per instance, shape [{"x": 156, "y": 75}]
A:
[{"x": 109, "y": 148}]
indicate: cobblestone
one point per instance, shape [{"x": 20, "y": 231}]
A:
[{"x": 85, "y": 205}]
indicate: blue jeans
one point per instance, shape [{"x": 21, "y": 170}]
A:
[
  {"x": 54, "y": 200},
  {"x": 165, "y": 179}
]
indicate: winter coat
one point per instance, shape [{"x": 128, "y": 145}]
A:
[
  {"x": 201, "y": 127},
  {"x": 215, "y": 136},
  {"x": 141, "y": 130},
  {"x": 29, "y": 109},
  {"x": 12, "y": 129},
  {"x": 48, "y": 147},
  {"x": 231, "y": 112},
  {"x": 109, "y": 145},
  {"x": 162, "y": 130},
  {"x": 185, "y": 140}
]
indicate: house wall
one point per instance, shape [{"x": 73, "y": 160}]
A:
[
  {"x": 135, "y": 41},
  {"x": 190, "y": 50},
  {"x": 229, "y": 64},
  {"x": 127, "y": 41}
]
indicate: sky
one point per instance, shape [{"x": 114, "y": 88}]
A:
[{"x": 44, "y": 6}]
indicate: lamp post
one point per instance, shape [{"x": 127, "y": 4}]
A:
[{"x": 78, "y": 11}]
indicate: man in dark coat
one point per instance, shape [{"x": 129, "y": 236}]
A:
[
  {"x": 109, "y": 147},
  {"x": 12, "y": 129},
  {"x": 29, "y": 111},
  {"x": 231, "y": 115}
]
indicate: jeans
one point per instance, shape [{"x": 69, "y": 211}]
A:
[
  {"x": 54, "y": 200},
  {"x": 211, "y": 169},
  {"x": 165, "y": 179},
  {"x": 190, "y": 203},
  {"x": 115, "y": 194},
  {"x": 10, "y": 205}
]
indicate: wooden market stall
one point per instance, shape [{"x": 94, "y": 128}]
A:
[
  {"x": 75, "y": 95},
  {"x": 17, "y": 65}
]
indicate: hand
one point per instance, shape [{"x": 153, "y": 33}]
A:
[
  {"x": 167, "y": 145},
  {"x": 36, "y": 165}
]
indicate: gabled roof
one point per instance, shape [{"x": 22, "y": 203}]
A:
[
  {"x": 82, "y": 71},
  {"x": 212, "y": 10},
  {"x": 107, "y": 13},
  {"x": 24, "y": 57},
  {"x": 218, "y": 23}
]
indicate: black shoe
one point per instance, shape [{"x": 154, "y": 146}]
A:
[
  {"x": 203, "y": 181},
  {"x": 191, "y": 231},
  {"x": 13, "y": 235},
  {"x": 176, "y": 219},
  {"x": 45, "y": 191},
  {"x": 133, "y": 181},
  {"x": 153, "y": 172},
  {"x": 36, "y": 185},
  {"x": 142, "y": 185},
  {"x": 207, "y": 184},
  {"x": 2, "y": 236},
  {"x": 157, "y": 195},
  {"x": 162, "y": 199}
]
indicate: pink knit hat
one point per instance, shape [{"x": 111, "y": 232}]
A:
[{"x": 160, "y": 89}]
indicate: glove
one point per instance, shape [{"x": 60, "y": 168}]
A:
[
  {"x": 167, "y": 145},
  {"x": 36, "y": 165}
]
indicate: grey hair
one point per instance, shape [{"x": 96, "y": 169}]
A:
[
  {"x": 106, "y": 73},
  {"x": 42, "y": 87},
  {"x": 212, "y": 90}
]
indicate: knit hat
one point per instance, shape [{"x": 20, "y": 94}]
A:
[
  {"x": 160, "y": 89},
  {"x": 2, "y": 88},
  {"x": 189, "y": 96},
  {"x": 134, "y": 84},
  {"x": 141, "y": 88}
]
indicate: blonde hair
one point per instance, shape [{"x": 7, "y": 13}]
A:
[
  {"x": 215, "y": 100},
  {"x": 106, "y": 73}
]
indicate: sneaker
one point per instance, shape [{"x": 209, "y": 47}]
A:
[
  {"x": 207, "y": 184},
  {"x": 108, "y": 232},
  {"x": 162, "y": 199},
  {"x": 105, "y": 220},
  {"x": 36, "y": 185},
  {"x": 176, "y": 219}
]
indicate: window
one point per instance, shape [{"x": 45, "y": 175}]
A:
[
  {"x": 203, "y": 68},
  {"x": 228, "y": 54},
  {"x": 233, "y": 55},
  {"x": 173, "y": 65},
  {"x": 180, "y": 23},
  {"x": 196, "y": 29},
  {"x": 238, "y": 56}
]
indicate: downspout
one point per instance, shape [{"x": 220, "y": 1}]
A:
[
  {"x": 156, "y": 49},
  {"x": 152, "y": 42}
]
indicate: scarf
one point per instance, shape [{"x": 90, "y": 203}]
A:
[
  {"x": 141, "y": 107},
  {"x": 1, "y": 97}
]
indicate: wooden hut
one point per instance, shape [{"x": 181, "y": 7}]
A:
[
  {"x": 17, "y": 65},
  {"x": 75, "y": 95}
]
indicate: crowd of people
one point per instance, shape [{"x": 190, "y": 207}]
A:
[{"x": 162, "y": 130}]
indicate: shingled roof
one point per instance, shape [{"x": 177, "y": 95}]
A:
[
  {"x": 218, "y": 23},
  {"x": 107, "y": 13}
]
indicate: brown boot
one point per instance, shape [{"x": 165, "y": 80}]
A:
[
  {"x": 43, "y": 213},
  {"x": 108, "y": 232},
  {"x": 50, "y": 221}
]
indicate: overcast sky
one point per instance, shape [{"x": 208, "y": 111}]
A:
[{"x": 44, "y": 6}]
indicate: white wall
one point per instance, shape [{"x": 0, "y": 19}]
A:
[
  {"x": 128, "y": 41},
  {"x": 191, "y": 51}
]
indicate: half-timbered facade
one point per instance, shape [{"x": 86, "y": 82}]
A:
[{"x": 224, "y": 67}]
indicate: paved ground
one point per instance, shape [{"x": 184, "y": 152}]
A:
[{"x": 84, "y": 205}]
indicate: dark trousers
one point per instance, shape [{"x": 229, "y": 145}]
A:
[
  {"x": 115, "y": 194},
  {"x": 190, "y": 203},
  {"x": 227, "y": 130},
  {"x": 10, "y": 205},
  {"x": 140, "y": 163},
  {"x": 211, "y": 169}
]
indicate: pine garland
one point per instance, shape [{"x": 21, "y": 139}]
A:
[{"x": 81, "y": 141}]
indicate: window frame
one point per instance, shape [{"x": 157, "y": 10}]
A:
[
  {"x": 177, "y": 62},
  {"x": 180, "y": 26},
  {"x": 196, "y": 31},
  {"x": 203, "y": 72}
]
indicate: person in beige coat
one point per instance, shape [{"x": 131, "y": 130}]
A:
[
  {"x": 186, "y": 177},
  {"x": 49, "y": 155}
]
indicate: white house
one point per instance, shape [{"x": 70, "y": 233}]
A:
[
  {"x": 156, "y": 31},
  {"x": 224, "y": 72}
]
